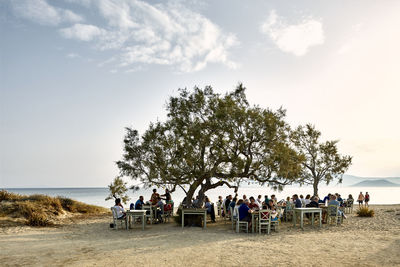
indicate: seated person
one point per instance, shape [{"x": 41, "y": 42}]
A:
[
  {"x": 333, "y": 201},
  {"x": 210, "y": 208},
  {"x": 271, "y": 205},
  {"x": 253, "y": 204},
  {"x": 297, "y": 201},
  {"x": 233, "y": 203},
  {"x": 139, "y": 203},
  {"x": 266, "y": 200},
  {"x": 245, "y": 212},
  {"x": 313, "y": 203},
  {"x": 119, "y": 209}
]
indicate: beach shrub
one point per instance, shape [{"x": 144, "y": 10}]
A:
[
  {"x": 365, "y": 212},
  {"x": 8, "y": 196},
  {"x": 38, "y": 219}
]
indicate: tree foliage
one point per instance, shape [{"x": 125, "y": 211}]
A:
[
  {"x": 118, "y": 189},
  {"x": 322, "y": 162},
  {"x": 210, "y": 140}
]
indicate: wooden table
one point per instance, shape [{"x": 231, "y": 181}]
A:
[
  {"x": 306, "y": 210},
  {"x": 197, "y": 212},
  {"x": 131, "y": 214}
]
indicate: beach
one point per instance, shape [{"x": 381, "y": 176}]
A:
[{"x": 90, "y": 242}]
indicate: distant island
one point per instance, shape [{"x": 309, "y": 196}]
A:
[{"x": 375, "y": 183}]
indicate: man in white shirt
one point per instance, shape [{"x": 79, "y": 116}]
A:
[{"x": 259, "y": 201}]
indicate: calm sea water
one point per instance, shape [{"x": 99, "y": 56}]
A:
[{"x": 96, "y": 196}]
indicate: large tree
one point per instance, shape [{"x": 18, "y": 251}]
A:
[
  {"x": 209, "y": 140},
  {"x": 322, "y": 162}
]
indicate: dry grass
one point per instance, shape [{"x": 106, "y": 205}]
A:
[
  {"x": 365, "y": 212},
  {"x": 42, "y": 210}
]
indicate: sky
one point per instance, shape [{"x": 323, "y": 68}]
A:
[{"x": 75, "y": 73}]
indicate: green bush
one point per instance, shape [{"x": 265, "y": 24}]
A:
[{"x": 365, "y": 212}]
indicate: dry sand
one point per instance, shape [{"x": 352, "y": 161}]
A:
[{"x": 359, "y": 241}]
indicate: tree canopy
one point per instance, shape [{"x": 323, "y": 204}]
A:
[
  {"x": 209, "y": 140},
  {"x": 322, "y": 162}
]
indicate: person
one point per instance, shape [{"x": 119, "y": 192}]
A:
[
  {"x": 360, "y": 199},
  {"x": 259, "y": 201},
  {"x": 349, "y": 201},
  {"x": 139, "y": 203},
  {"x": 273, "y": 197},
  {"x": 271, "y": 205},
  {"x": 307, "y": 200},
  {"x": 227, "y": 203},
  {"x": 288, "y": 203},
  {"x": 244, "y": 197},
  {"x": 340, "y": 199},
  {"x": 253, "y": 205},
  {"x": 233, "y": 203},
  {"x": 160, "y": 209},
  {"x": 210, "y": 209},
  {"x": 333, "y": 201},
  {"x": 119, "y": 209},
  {"x": 327, "y": 198},
  {"x": 219, "y": 204},
  {"x": 313, "y": 203},
  {"x": 297, "y": 202},
  {"x": 167, "y": 196},
  {"x": 303, "y": 203},
  {"x": 366, "y": 199},
  {"x": 245, "y": 212},
  {"x": 154, "y": 197}
]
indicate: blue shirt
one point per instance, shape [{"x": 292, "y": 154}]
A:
[
  {"x": 138, "y": 204},
  {"x": 208, "y": 205},
  {"x": 297, "y": 203},
  {"x": 334, "y": 202},
  {"x": 243, "y": 211}
]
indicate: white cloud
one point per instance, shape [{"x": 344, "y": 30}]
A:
[
  {"x": 163, "y": 34},
  {"x": 295, "y": 38},
  {"x": 41, "y": 12},
  {"x": 83, "y": 32},
  {"x": 72, "y": 55}
]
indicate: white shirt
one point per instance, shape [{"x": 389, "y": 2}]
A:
[
  {"x": 307, "y": 201},
  {"x": 259, "y": 202},
  {"x": 120, "y": 211}
]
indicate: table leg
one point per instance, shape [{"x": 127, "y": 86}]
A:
[
  {"x": 312, "y": 218},
  {"x": 294, "y": 218},
  {"x": 143, "y": 218},
  {"x": 252, "y": 223},
  {"x": 320, "y": 218},
  {"x": 301, "y": 219},
  {"x": 183, "y": 218},
  {"x": 205, "y": 220}
]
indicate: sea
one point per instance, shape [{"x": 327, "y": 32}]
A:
[{"x": 97, "y": 195}]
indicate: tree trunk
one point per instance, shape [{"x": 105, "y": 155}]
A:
[{"x": 315, "y": 186}]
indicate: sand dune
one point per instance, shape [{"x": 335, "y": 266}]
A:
[{"x": 359, "y": 241}]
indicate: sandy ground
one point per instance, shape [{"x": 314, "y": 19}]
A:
[{"x": 90, "y": 242}]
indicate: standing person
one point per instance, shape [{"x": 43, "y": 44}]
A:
[
  {"x": 366, "y": 199},
  {"x": 210, "y": 209},
  {"x": 167, "y": 196},
  {"x": 360, "y": 199},
  {"x": 154, "y": 197}
]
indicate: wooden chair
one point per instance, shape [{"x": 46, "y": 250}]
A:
[
  {"x": 348, "y": 207},
  {"x": 116, "y": 219},
  {"x": 149, "y": 216},
  {"x": 264, "y": 221},
  {"x": 333, "y": 214},
  {"x": 226, "y": 217},
  {"x": 289, "y": 212},
  {"x": 240, "y": 225},
  {"x": 234, "y": 215}
]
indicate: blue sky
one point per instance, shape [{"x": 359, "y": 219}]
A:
[{"x": 74, "y": 73}]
